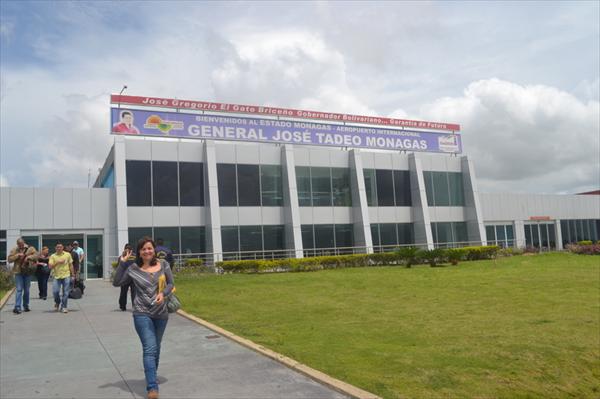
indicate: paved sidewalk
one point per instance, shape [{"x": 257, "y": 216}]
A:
[{"x": 94, "y": 352}]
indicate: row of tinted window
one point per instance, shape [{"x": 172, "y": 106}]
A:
[
  {"x": 327, "y": 236},
  {"x": 388, "y": 235},
  {"x": 181, "y": 240},
  {"x": 164, "y": 183},
  {"x": 502, "y": 235},
  {"x": 444, "y": 188},
  {"x": 3, "y": 253},
  {"x": 580, "y": 230},
  {"x": 249, "y": 185},
  {"x": 540, "y": 235},
  {"x": 322, "y": 186},
  {"x": 387, "y": 187},
  {"x": 449, "y": 234},
  {"x": 252, "y": 238}
]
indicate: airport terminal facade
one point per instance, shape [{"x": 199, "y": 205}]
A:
[{"x": 265, "y": 194}]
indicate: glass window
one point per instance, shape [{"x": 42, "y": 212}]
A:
[
  {"x": 402, "y": 187},
  {"x": 324, "y": 236},
  {"x": 551, "y": 236},
  {"x": 500, "y": 233},
  {"x": 274, "y": 237},
  {"x": 307, "y": 236},
  {"x": 457, "y": 193},
  {"x": 229, "y": 238},
  {"x": 34, "y": 241},
  {"x": 528, "y": 236},
  {"x": 441, "y": 196},
  {"x": 580, "y": 233},
  {"x": 271, "y": 186},
  {"x": 191, "y": 184},
  {"x": 2, "y": 234},
  {"x": 193, "y": 240},
  {"x": 444, "y": 233},
  {"x": 138, "y": 183},
  {"x": 586, "y": 229},
  {"x": 321, "y": 186},
  {"x": 250, "y": 238},
  {"x": 564, "y": 230},
  {"x": 344, "y": 236},
  {"x": 544, "y": 235},
  {"x": 573, "y": 230},
  {"x": 303, "y": 182},
  {"x": 429, "y": 190},
  {"x": 510, "y": 235},
  {"x": 535, "y": 235},
  {"x": 340, "y": 184},
  {"x": 459, "y": 232},
  {"x": 170, "y": 236},
  {"x": 490, "y": 232},
  {"x": 136, "y": 234},
  {"x": 594, "y": 230},
  {"x": 385, "y": 187},
  {"x": 227, "y": 184},
  {"x": 164, "y": 183},
  {"x": 248, "y": 177},
  {"x": 388, "y": 234},
  {"x": 375, "y": 234},
  {"x": 405, "y": 234},
  {"x": 370, "y": 186},
  {"x": 3, "y": 254}
]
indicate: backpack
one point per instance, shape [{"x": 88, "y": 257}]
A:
[{"x": 77, "y": 290}]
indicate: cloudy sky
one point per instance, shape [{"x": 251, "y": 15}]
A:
[{"x": 522, "y": 78}]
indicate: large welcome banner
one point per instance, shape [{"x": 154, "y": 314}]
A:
[{"x": 214, "y": 127}]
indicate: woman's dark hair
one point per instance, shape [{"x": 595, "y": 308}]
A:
[{"x": 140, "y": 244}]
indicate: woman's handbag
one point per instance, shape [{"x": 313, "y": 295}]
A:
[{"x": 173, "y": 303}]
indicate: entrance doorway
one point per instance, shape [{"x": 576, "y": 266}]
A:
[{"x": 92, "y": 266}]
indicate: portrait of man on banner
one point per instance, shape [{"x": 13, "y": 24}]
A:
[{"x": 125, "y": 125}]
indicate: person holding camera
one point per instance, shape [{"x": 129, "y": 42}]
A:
[
  {"x": 43, "y": 273},
  {"x": 61, "y": 265},
  {"x": 130, "y": 256},
  {"x": 24, "y": 258},
  {"x": 150, "y": 313}
]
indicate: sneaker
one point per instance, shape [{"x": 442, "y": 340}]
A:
[
  {"x": 65, "y": 310},
  {"x": 27, "y": 309},
  {"x": 17, "y": 311},
  {"x": 153, "y": 394}
]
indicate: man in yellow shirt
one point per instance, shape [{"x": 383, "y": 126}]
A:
[{"x": 61, "y": 265}]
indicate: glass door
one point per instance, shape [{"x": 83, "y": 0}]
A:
[{"x": 94, "y": 258}]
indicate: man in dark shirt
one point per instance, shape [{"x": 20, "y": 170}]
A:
[
  {"x": 163, "y": 252},
  {"x": 124, "y": 288},
  {"x": 69, "y": 248}
]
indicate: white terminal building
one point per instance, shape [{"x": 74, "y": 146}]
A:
[{"x": 231, "y": 194}]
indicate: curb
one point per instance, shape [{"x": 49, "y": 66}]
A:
[
  {"x": 6, "y": 296},
  {"x": 316, "y": 375}
]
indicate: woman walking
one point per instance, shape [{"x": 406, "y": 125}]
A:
[
  {"x": 150, "y": 313},
  {"x": 43, "y": 272}
]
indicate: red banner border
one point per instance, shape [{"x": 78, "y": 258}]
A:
[{"x": 276, "y": 111}]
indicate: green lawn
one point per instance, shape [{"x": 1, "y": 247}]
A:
[{"x": 526, "y": 326}]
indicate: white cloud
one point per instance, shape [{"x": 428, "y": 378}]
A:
[{"x": 526, "y": 138}]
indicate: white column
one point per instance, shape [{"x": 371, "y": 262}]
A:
[
  {"x": 211, "y": 204},
  {"x": 360, "y": 207},
  {"x": 420, "y": 208},
  {"x": 558, "y": 234},
  {"x": 473, "y": 215},
  {"x": 520, "y": 234},
  {"x": 121, "y": 193},
  {"x": 291, "y": 209}
]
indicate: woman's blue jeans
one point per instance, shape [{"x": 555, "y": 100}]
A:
[{"x": 150, "y": 332}]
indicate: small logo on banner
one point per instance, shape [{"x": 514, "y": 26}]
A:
[
  {"x": 448, "y": 143},
  {"x": 165, "y": 126}
]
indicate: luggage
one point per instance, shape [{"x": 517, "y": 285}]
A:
[{"x": 77, "y": 290}]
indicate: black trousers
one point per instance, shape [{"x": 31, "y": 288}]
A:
[{"x": 123, "y": 296}]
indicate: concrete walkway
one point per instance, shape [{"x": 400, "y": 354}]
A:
[{"x": 94, "y": 352}]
